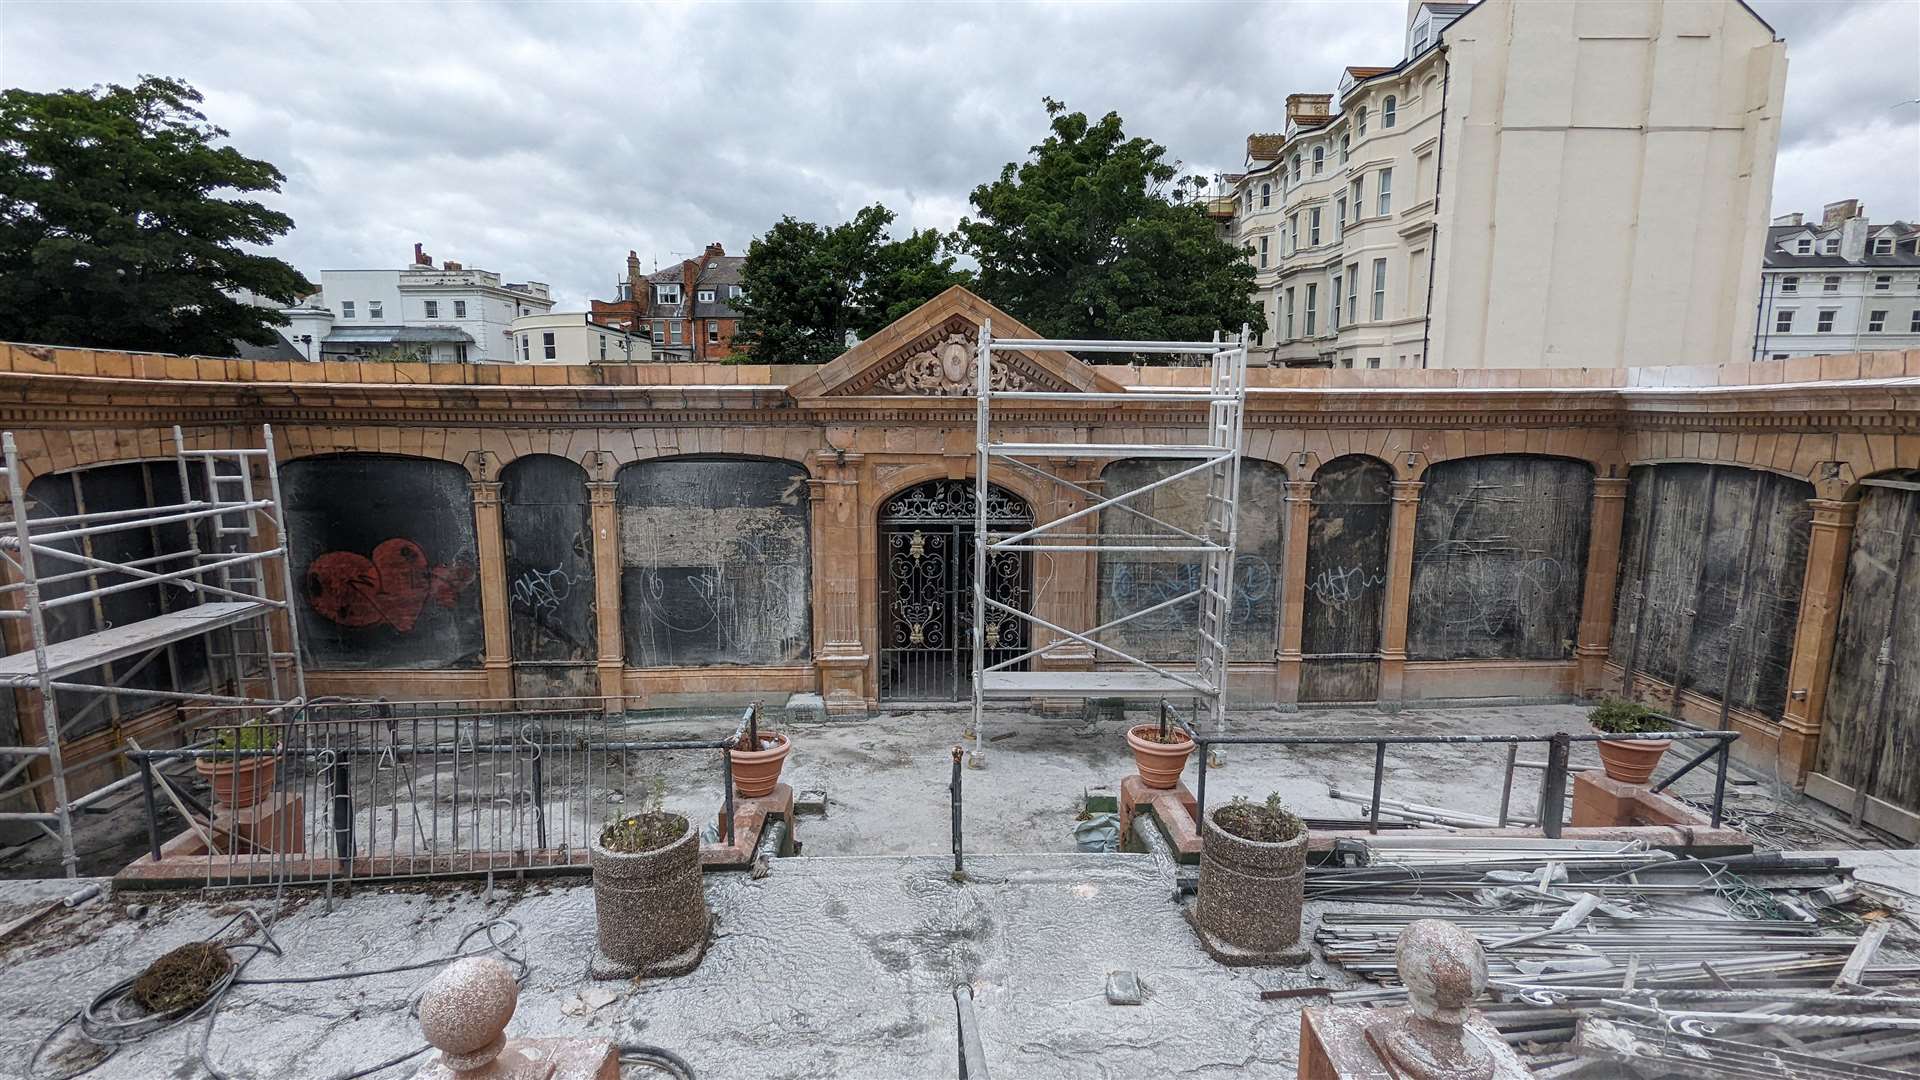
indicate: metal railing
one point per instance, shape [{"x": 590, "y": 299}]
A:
[
  {"x": 371, "y": 790},
  {"x": 1553, "y": 788}
]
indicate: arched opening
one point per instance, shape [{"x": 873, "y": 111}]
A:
[
  {"x": 551, "y": 625},
  {"x": 1346, "y": 580},
  {"x": 926, "y": 583}
]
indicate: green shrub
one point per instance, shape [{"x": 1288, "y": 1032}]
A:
[
  {"x": 1616, "y": 717},
  {"x": 253, "y": 736}
]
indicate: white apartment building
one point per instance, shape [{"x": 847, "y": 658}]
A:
[
  {"x": 572, "y": 337},
  {"x": 448, "y": 314},
  {"x": 1568, "y": 184},
  {"x": 1842, "y": 285}
]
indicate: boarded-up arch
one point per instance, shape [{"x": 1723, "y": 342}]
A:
[
  {"x": 1347, "y": 531},
  {"x": 1499, "y": 558},
  {"x": 714, "y": 562},
  {"x": 384, "y": 561},
  {"x": 548, "y": 538}
]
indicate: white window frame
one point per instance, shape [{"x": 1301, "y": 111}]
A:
[
  {"x": 1353, "y": 293},
  {"x": 1340, "y": 217},
  {"x": 666, "y": 294},
  {"x": 1266, "y": 194},
  {"x": 1263, "y": 252},
  {"x": 1830, "y": 283},
  {"x": 603, "y": 347},
  {"x": 1306, "y": 327},
  {"x": 432, "y": 308},
  {"x": 1783, "y": 320},
  {"x": 705, "y": 296},
  {"x": 1790, "y": 284},
  {"x": 713, "y": 331},
  {"x": 1346, "y": 147},
  {"x": 1383, "y": 192},
  {"x": 1913, "y": 322},
  {"x": 1876, "y": 322},
  {"x": 1373, "y": 363},
  {"x": 526, "y": 348},
  {"x": 1389, "y": 112},
  {"x": 1319, "y": 158},
  {"x": 1333, "y": 309},
  {"x": 1830, "y": 246},
  {"x": 1313, "y": 227},
  {"x": 459, "y": 309},
  {"x": 549, "y": 348},
  {"x": 1289, "y": 336},
  {"x": 376, "y": 309},
  {"x": 1824, "y": 324},
  {"x": 1883, "y": 283},
  {"x": 1883, "y": 245},
  {"x": 1357, "y": 192},
  {"x": 1803, "y": 246},
  {"x": 346, "y": 309},
  {"x": 1379, "y": 289},
  {"x": 735, "y": 292},
  {"x": 1360, "y": 122}
]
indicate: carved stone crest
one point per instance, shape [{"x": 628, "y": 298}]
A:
[{"x": 947, "y": 369}]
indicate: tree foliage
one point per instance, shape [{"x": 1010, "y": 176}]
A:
[
  {"x": 1096, "y": 235},
  {"x": 806, "y": 285},
  {"x": 117, "y": 229}
]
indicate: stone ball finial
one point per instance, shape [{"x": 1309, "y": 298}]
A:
[
  {"x": 465, "y": 1009},
  {"x": 1443, "y": 967}
]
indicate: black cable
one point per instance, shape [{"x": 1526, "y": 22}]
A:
[{"x": 657, "y": 1056}]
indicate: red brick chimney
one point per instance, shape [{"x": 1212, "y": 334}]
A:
[
  {"x": 715, "y": 251},
  {"x": 420, "y": 257}
]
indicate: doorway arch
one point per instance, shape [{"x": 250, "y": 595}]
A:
[{"x": 926, "y": 581}]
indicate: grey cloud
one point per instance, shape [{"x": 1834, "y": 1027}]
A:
[{"x": 545, "y": 140}]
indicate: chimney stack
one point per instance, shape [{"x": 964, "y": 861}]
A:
[
  {"x": 715, "y": 251},
  {"x": 1837, "y": 212},
  {"x": 1790, "y": 219},
  {"x": 1309, "y": 110},
  {"x": 421, "y": 258}
]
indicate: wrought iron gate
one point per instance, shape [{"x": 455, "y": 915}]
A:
[{"x": 926, "y": 572}]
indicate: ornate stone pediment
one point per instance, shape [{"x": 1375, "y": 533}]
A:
[{"x": 930, "y": 352}]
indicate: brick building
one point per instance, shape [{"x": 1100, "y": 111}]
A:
[{"x": 687, "y": 309}]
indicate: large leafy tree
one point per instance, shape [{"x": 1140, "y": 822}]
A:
[
  {"x": 1097, "y": 235},
  {"x": 807, "y": 285},
  {"x": 119, "y": 227}
]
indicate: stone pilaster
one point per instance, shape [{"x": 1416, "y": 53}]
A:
[
  {"x": 1393, "y": 628},
  {"x": 493, "y": 587},
  {"x": 1066, "y": 589},
  {"x": 1293, "y": 590},
  {"x": 839, "y": 572},
  {"x": 610, "y": 659},
  {"x": 1829, "y": 543},
  {"x": 1603, "y": 576}
]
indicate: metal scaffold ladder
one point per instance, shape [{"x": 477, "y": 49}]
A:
[
  {"x": 1208, "y": 543},
  {"x": 206, "y": 545}
]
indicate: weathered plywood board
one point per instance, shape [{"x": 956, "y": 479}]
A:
[
  {"x": 1131, "y": 581},
  {"x": 1500, "y": 559},
  {"x": 714, "y": 562},
  {"x": 385, "y": 562},
  {"x": 546, "y": 524},
  {"x": 1347, "y": 531}
]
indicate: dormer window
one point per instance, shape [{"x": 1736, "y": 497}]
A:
[
  {"x": 1883, "y": 245},
  {"x": 1804, "y": 247},
  {"x": 666, "y": 294},
  {"x": 734, "y": 292},
  {"x": 705, "y": 295},
  {"x": 1389, "y": 112},
  {"x": 1830, "y": 246}
]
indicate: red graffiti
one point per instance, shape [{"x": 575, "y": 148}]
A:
[{"x": 393, "y": 587}]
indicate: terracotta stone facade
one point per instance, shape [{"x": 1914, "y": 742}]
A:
[{"x": 826, "y": 448}]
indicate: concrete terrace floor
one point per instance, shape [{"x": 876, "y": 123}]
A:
[{"x": 840, "y": 963}]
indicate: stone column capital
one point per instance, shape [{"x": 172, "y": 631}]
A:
[
  {"x": 485, "y": 492},
  {"x": 1834, "y": 513},
  {"x": 1610, "y": 487},
  {"x": 1407, "y": 491}
]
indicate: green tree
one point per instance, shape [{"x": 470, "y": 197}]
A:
[
  {"x": 806, "y": 285},
  {"x": 1096, "y": 235},
  {"x": 116, "y": 230}
]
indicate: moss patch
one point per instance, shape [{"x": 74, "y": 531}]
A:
[
  {"x": 639, "y": 833},
  {"x": 183, "y": 978}
]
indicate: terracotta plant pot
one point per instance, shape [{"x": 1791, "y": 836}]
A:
[
  {"x": 1631, "y": 761},
  {"x": 1250, "y": 894},
  {"x": 650, "y": 911},
  {"x": 238, "y": 781},
  {"x": 755, "y": 772},
  {"x": 1160, "y": 764}
]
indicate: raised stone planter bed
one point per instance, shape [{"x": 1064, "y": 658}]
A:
[
  {"x": 649, "y": 909},
  {"x": 1251, "y": 892}
]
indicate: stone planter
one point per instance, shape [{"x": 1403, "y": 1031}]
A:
[
  {"x": 649, "y": 909},
  {"x": 238, "y": 780},
  {"x": 1159, "y": 764},
  {"x": 1248, "y": 911},
  {"x": 1631, "y": 761}
]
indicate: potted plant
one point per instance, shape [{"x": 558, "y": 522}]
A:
[
  {"x": 1630, "y": 761},
  {"x": 1160, "y": 756},
  {"x": 757, "y": 761},
  {"x": 650, "y": 912},
  {"x": 1253, "y": 880},
  {"x": 235, "y": 767}
]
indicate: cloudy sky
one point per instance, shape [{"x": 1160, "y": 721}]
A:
[{"x": 544, "y": 141}]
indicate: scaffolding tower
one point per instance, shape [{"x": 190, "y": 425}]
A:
[
  {"x": 204, "y": 545},
  {"x": 1208, "y": 544}
]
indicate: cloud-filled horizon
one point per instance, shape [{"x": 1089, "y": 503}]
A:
[{"x": 545, "y": 141}]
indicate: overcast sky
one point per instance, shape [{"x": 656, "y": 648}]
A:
[{"x": 544, "y": 141}]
